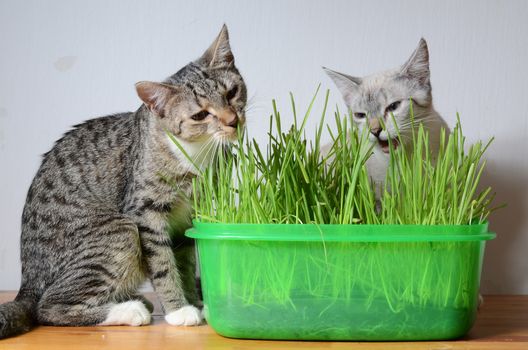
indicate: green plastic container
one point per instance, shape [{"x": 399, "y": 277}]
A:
[{"x": 340, "y": 282}]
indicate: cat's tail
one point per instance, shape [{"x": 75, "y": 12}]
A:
[{"x": 17, "y": 316}]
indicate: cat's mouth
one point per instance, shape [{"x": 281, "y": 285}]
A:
[
  {"x": 227, "y": 136},
  {"x": 385, "y": 144}
]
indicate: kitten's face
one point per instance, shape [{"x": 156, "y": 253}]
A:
[
  {"x": 381, "y": 102},
  {"x": 204, "y": 100}
]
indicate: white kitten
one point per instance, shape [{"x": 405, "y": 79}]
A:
[{"x": 375, "y": 98}]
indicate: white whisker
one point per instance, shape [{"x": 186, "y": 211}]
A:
[{"x": 191, "y": 165}]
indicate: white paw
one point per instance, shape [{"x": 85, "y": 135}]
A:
[
  {"x": 129, "y": 313},
  {"x": 186, "y": 316}
]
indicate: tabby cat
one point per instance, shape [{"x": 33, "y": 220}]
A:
[{"x": 94, "y": 225}]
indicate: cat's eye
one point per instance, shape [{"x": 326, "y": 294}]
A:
[
  {"x": 360, "y": 115},
  {"x": 200, "y": 115},
  {"x": 231, "y": 93},
  {"x": 392, "y": 107}
]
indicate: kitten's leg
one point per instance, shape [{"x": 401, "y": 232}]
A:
[
  {"x": 186, "y": 261},
  {"x": 148, "y": 304},
  {"x": 165, "y": 276},
  {"x": 104, "y": 269},
  {"x": 128, "y": 313}
]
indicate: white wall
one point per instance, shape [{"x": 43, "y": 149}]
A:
[{"x": 62, "y": 62}]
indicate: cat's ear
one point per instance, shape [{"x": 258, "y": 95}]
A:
[
  {"x": 417, "y": 66},
  {"x": 345, "y": 83},
  {"x": 219, "y": 53},
  {"x": 155, "y": 95}
]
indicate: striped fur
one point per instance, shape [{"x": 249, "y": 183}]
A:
[{"x": 94, "y": 225}]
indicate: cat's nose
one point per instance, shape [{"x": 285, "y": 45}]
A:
[
  {"x": 376, "y": 131},
  {"x": 228, "y": 116},
  {"x": 233, "y": 122},
  {"x": 375, "y": 126}
]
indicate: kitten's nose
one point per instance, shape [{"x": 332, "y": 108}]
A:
[
  {"x": 376, "y": 131},
  {"x": 375, "y": 126},
  {"x": 233, "y": 122},
  {"x": 228, "y": 116}
]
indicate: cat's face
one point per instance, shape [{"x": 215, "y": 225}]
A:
[
  {"x": 203, "y": 101},
  {"x": 382, "y": 102}
]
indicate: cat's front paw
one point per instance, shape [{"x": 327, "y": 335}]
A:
[{"x": 186, "y": 316}]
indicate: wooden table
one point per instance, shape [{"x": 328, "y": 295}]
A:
[{"x": 502, "y": 324}]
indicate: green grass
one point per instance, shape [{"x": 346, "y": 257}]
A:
[
  {"x": 359, "y": 290},
  {"x": 436, "y": 189},
  {"x": 341, "y": 290},
  {"x": 291, "y": 181}
]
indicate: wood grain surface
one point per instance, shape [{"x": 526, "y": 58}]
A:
[{"x": 502, "y": 323}]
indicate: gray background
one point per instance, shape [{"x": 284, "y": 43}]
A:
[{"x": 62, "y": 62}]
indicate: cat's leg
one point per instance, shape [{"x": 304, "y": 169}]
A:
[
  {"x": 98, "y": 281},
  {"x": 148, "y": 304},
  {"x": 186, "y": 260},
  {"x": 128, "y": 313},
  {"x": 166, "y": 278}
]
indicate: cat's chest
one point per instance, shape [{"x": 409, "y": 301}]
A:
[
  {"x": 377, "y": 165},
  {"x": 195, "y": 156}
]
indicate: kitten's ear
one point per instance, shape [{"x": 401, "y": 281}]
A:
[
  {"x": 155, "y": 95},
  {"x": 345, "y": 83},
  {"x": 219, "y": 53},
  {"x": 417, "y": 66}
]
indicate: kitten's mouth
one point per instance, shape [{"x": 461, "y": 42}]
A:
[
  {"x": 232, "y": 137},
  {"x": 229, "y": 136},
  {"x": 385, "y": 144}
]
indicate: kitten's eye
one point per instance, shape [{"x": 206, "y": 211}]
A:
[
  {"x": 360, "y": 115},
  {"x": 231, "y": 93},
  {"x": 200, "y": 115},
  {"x": 392, "y": 107}
]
